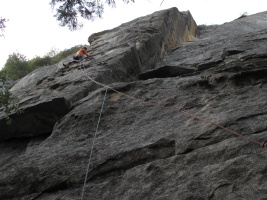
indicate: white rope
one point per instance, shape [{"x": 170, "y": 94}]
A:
[{"x": 92, "y": 147}]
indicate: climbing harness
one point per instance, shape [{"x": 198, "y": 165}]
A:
[{"x": 92, "y": 147}]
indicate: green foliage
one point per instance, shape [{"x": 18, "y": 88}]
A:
[
  {"x": 68, "y": 12},
  {"x": 2, "y": 25},
  {"x": 17, "y": 66},
  {"x": 8, "y": 103},
  {"x": 53, "y": 52},
  {"x": 39, "y": 62}
]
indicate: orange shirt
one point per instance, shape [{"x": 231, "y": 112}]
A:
[{"x": 82, "y": 52}]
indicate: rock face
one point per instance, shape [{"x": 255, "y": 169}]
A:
[{"x": 184, "y": 116}]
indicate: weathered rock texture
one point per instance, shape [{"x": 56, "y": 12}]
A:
[{"x": 147, "y": 149}]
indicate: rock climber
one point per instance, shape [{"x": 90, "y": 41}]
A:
[{"x": 79, "y": 56}]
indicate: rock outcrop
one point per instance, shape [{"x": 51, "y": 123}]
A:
[{"x": 184, "y": 116}]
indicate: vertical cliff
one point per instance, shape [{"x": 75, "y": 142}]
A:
[{"x": 184, "y": 116}]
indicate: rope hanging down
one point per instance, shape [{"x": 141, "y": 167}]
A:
[
  {"x": 92, "y": 147},
  {"x": 175, "y": 109}
]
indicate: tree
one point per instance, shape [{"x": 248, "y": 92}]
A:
[
  {"x": 68, "y": 11},
  {"x": 2, "y": 25},
  {"x": 53, "y": 52},
  {"x": 39, "y": 62},
  {"x": 242, "y": 15},
  {"x": 8, "y": 103},
  {"x": 17, "y": 66}
]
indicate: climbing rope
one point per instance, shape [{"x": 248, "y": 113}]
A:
[
  {"x": 92, "y": 147},
  {"x": 264, "y": 144},
  {"x": 175, "y": 109}
]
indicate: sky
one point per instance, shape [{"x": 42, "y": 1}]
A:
[{"x": 32, "y": 29}]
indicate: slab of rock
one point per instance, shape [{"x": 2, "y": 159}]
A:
[
  {"x": 119, "y": 55},
  {"x": 189, "y": 126}
]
